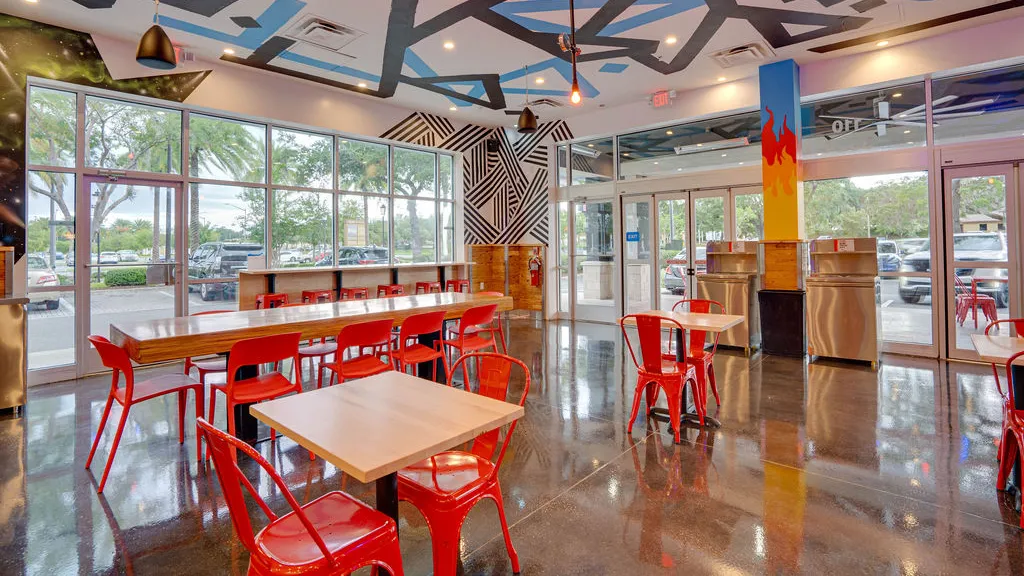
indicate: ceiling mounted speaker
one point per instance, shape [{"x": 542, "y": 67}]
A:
[
  {"x": 527, "y": 122},
  {"x": 155, "y": 48}
]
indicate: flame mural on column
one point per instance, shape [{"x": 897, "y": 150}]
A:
[{"x": 780, "y": 145}]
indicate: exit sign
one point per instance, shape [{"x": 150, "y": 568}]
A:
[{"x": 662, "y": 98}]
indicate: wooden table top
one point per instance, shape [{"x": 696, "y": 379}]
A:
[
  {"x": 997, "y": 349},
  {"x": 374, "y": 426},
  {"x": 175, "y": 338},
  {"x": 696, "y": 320}
]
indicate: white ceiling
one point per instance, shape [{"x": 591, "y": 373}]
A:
[{"x": 493, "y": 41}]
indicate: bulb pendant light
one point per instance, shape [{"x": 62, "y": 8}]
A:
[
  {"x": 575, "y": 97},
  {"x": 155, "y": 48},
  {"x": 527, "y": 123}
]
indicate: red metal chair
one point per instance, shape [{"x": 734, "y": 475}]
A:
[
  {"x": 497, "y": 322},
  {"x": 406, "y": 354},
  {"x": 968, "y": 300},
  {"x": 1011, "y": 445},
  {"x": 446, "y": 486},
  {"x": 375, "y": 335},
  {"x": 655, "y": 372},
  {"x": 274, "y": 350},
  {"x": 390, "y": 290},
  {"x": 1017, "y": 325},
  {"x": 474, "y": 322},
  {"x": 115, "y": 358},
  {"x": 206, "y": 366},
  {"x": 317, "y": 296},
  {"x": 428, "y": 287},
  {"x": 354, "y": 293},
  {"x": 457, "y": 285},
  {"x": 702, "y": 360},
  {"x": 332, "y": 535},
  {"x": 270, "y": 300}
]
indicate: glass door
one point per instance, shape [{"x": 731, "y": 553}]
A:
[
  {"x": 980, "y": 246},
  {"x": 673, "y": 240},
  {"x": 594, "y": 261},
  {"x": 637, "y": 220},
  {"x": 130, "y": 258}
]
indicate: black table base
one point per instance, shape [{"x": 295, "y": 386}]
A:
[
  {"x": 245, "y": 423},
  {"x": 685, "y": 414}
]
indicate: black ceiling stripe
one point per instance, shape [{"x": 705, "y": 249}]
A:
[{"x": 934, "y": 23}]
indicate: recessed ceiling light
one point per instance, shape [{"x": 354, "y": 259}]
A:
[
  {"x": 32, "y": 1},
  {"x": 670, "y": 40},
  {"x": 724, "y": 155},
  {"x": 741, "y": 163},
  {"x": 679, "y": 169},
  {"x": 362, "y": 84},
  {"x": 898, "y": 95},
  {"x": 819, "y": 153},
  {"x": 655, "y": 163},
  {"x": 538, "y": 80},
  {"x": 449, "y": 45},
  {"x": 699, "y": 145},
  {"x": 625, "y": 153},
  {"x": 226, "y": 50},
  {"x": 669, "y": 132},
  {"x": 590, "y": 145},
  {"x": 911, "y": 143},
  {"x": 906, "y": 131},
  {"x": 882, "y": 44},
  {"x": 721, "y": 78},
  {"x": 452, "y": 108}
]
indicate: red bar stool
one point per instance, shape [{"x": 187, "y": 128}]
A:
[
  {"x": 375, "y": 335},
  {"x": 390, "y": 290},
  {"x": 317, "y": 296},
  {"x": 655, "y": 373},
  {"x": 406, "y": 355},
  {"x": 204, "y": 366},
  {"x": 457, "y": 285},
  {"x": 700, "y": 358},
  {"x": 446, "y": 486},
  {"x": 334, "y": 534},
  {"x": 115, "y": 358},
  {"x": 428, "y": 287},
  {"x": 270, "y": 300},
  {"x": 354, "y": 293}
]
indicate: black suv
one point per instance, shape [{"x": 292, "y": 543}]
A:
[
  {"x": 357, "y": 255},
  {"x": 220, "y": 260}
]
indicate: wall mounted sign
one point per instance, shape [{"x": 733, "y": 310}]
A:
[
  {"x": 632, "y": 236},
  {"x": 662, "y": 98}
]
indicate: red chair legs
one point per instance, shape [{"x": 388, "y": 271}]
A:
[{"x": 1009, "y": 452}]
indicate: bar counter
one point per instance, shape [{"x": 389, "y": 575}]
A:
[{"x": 292, "y": 281}]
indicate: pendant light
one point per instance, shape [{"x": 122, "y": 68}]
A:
[
  {"x": 527, "y": 123},
  {"x": 570, "y": 46},
  {"x": 155, "y": 48}
]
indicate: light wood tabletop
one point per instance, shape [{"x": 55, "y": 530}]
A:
[
  {"x": 376, "y": 426},
  {"x": 998, "y": 349},
  {"x": 696, "y": 320},
  {"x": 175, "y": 338}
]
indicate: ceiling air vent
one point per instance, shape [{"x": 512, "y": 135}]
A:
[
  {"x": 323, "y": 33},
  {"x": 545, "y": 102},
  {"x": 755, "y": 53}
]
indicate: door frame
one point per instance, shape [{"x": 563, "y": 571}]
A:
[
  {"x": 1014, "y": 213},
  {"x": 590, "y": 313},
  {"x": 86, "y": 359}
]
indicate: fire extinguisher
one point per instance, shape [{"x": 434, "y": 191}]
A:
[{"x": 536, "y": 274}]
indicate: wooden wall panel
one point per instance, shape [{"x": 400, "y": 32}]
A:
[
  {"x": 488, "y": 275},
  {"x": 525, "y": 295},
  {"x": 495, "y": 270}
]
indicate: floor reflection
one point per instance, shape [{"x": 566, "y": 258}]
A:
[{"x": 818, "y": 468}]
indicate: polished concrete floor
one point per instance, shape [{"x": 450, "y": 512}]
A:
[{"x": 827, "y": 468}]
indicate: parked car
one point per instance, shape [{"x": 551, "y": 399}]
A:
[
  {"x": 293, "y": 257},
  {"x": 888, "y": 256},
  {"x": 109, "y": 258},
  {"x": 967, "y": 246},
  {"x": 220, "y": 260},
  {"x": 911, "y": 245},
  {"x": 40, "y": 275},
  {"x": 357, "y": 255},
  {"x": 128, "y": 256},
  {"x": 675, "y": 272}
]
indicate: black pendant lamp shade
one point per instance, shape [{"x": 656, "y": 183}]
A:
[
  {"x": 527, "y": 122},
  {"x": 155, "y": 48}
]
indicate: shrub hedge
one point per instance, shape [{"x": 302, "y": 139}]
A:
[{"x": 125, "y": 277}]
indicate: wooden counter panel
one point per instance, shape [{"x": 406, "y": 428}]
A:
[
  {"x": 176, "y": 338},
  {"x": 489, "y": 273}
]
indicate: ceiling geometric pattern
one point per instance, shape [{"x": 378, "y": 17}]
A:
[{"x": 394, "y": 49}]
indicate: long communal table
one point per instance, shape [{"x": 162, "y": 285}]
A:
[{"x": 177, "y": 338}]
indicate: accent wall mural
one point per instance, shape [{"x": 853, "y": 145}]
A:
[
  {"x": 505, "y": 179},
  {"x": 29, "y": 48}
]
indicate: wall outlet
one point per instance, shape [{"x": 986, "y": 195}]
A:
[{"x": 481, "y": 286}]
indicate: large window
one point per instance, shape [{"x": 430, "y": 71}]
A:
[
  {"x": 302, "y": 227},
  {"x": 987, "y": 104},
  {"x": 592, "y": 162},
  {"x": 302, "y": 159},
  {"x": 876, "y": 120},
  {"x": 362, "y": 166},
  {"x": 52, "y": 124},
  {"x": 133, "y": 137},
  {"x": 415, "y": 230},
  {"x": 221, "y": 149}
]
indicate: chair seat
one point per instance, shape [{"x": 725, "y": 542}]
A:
[
  {"x": 472, "y": 342},
  {"x": 341, "y": 521},
  {"x": 445, "y": 476},
  {"x": 416, "y": 353},
  {"x": 262, "y": 387},
  {"x": 159, "y": 386},
  {"x": 218, "y": 364},
  {"x": 319, "y": 349},
  {"x": 360, "y": 367}
]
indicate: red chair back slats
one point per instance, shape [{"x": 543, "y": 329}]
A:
[
  {"x": 698, "y": 338},
  {"x": 232, "y": 479},
  {"x": 263, "y": 350},
  {"x": 366, "y": 334},
  {"x": 417, "y": 324},
  {"x": 495, "y": 374},
  {"x": 478, "y": 316},
  {"x": 115, "y": 358},
  {"x": 650, "y": 337}
]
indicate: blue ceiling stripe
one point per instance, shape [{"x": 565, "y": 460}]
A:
[
  {"x": 273, "y": 18},
  {"x": 300, "y": 59},
  {"x": 674, "y": 7}
]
